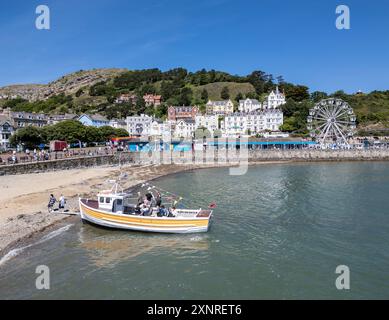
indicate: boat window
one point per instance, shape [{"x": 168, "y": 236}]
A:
[
  {"x": 101, "y": 199},
  {"x": 107, "y": 200},
  {"x": 119, "y": 202}
]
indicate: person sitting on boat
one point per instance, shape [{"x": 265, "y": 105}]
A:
[
  {"x": 145, "y": 210},
  {"x": 158, "y": 199},
  {"x": 172, "y": 212},
  {"x": 147, "y": 200},
  {"x": 137, "y": 210},
  {"x": 163, "y": 212},
  {"x": 140, "y": 199}
]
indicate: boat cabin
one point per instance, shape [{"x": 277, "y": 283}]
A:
[{"x": 115, "y": 202}]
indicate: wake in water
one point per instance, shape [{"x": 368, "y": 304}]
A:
[{"x": 15, "y": 252}]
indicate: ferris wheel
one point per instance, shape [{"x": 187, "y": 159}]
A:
[{"x": 331, "y": 121}]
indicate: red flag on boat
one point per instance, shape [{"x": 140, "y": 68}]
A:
[{"x": 212, "y": 205}]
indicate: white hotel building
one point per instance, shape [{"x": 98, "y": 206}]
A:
[
  {"x": 252, "y": 123},
  {"x": 274, "y": 100},
  {"x": 139, "y": 125},
  {"x": 211, "y": 122},
  {"x": 249, "y": 105}
]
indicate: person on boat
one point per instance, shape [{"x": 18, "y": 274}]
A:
[
  {"x": 172, "y": 212},
  {"x": 140, "y": 199},
  {"x": 158, "y": 199},
  {"x": 145, "y": 210},
  {"x": 163, "y": 212},
  {"x": 147, "y": 199},
  {"x": 62, "y": 202},
  {"x": 52, "y": 201}
]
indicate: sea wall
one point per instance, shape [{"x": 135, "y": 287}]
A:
[
  {"x": 320, "y": 155},
  {"x": 65, "y": 164},
  {"x": 221, "y": 157}
]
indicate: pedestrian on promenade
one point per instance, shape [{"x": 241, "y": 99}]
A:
[
  {"x": 62, "y": 202},
  {"x": 52, "y": 201}
]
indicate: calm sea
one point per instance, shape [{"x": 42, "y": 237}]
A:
[{"x": 278, "y": 232}]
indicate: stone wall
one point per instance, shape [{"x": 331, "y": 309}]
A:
[
  {"x": 65, "y": 164},
  {"x": 319, "y": 155},
  {"x": 186, "y": 158}
]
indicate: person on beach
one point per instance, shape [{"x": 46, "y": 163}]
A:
[
  {"x": 52, "y": 201},
  {"x": 62, "y": 202}
]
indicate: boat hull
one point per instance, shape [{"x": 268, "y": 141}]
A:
[{"x": 141, "y": 223}]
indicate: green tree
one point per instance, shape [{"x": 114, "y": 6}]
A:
[
  {"x": 318, "y": 96},
  {"x": 239, "y": 97},
  {"x": 29, "y": 137},
  {"x": 70, "y": 131},
  {"x": 107, "y": 132},
  {"x": 297, "y": 93},
  {"x": 120, "y": 132},
  {"x": 185, "y": 97},
  {"x": 79, "y": 93},
  {"x": 202, "y": 133},
  {"x": 204, "y": 95},
  {"x": 225, "y": 93}
]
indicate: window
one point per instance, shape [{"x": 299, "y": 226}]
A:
[
  {"x": 107, "y": 200},
  {"x": 101, "y": 199}
]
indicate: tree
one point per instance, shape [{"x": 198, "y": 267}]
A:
[
  {"x": 92, "y": 134},
  {"x": 204, "y": 95},
  {"x": 98, "y": 89},
  {"x": 297, "y": 93},
  {"x": 280, "y": 80},
  {"x": 202, "y": 133},
  {"x": 120, "y": 132},
  {"x": 79, "y": 93},
  {"x": 251, "y": 95},
  {"x": 318, "y": 96},
  {"x": 185, "y": 97},
  {"x": 258, "y": 80},
  {"x": 30, "y": 137},
  {"x": 239, "y": 97},
  {"x": 107, "y": 132},
  {"x": 225, "y": 93},
  {"x": 70, "y": 131},
  {"x": 217, "y": 134}
]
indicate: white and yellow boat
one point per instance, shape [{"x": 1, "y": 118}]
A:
[{"x": 114, "y": 210}]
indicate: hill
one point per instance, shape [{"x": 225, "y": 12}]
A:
[
  {"x": 68, "y": 84},
  {"x": 93, "y": 91},
  {"x": 214, "y": 89}
]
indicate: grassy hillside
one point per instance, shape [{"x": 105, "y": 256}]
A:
[
  {"x": 95, "y": 90},
  {"x": 214, "y": 89}
]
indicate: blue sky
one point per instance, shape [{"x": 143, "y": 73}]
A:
[{"x": 293, "y": 38}]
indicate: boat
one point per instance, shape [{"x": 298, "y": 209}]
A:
[{"x": 118, "y": 210}]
